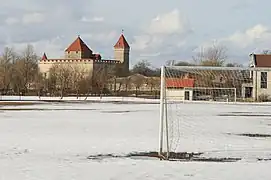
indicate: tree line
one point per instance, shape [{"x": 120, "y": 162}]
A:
[
  {"x": 17, "y": 70},
  {"x": 19, "y": 73}
]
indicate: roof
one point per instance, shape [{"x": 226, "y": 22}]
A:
[
  {"x": 97, "y": 56},
  {"x": 122, "y": 43},
  {"x": 78, "y": 45},
  {"x": 44, "y": 56},
  {"x": 179, "y": 82},
  {"x": 262, "y": 60}
]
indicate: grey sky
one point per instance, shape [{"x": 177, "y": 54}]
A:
[{"x": 157, "y": 30}]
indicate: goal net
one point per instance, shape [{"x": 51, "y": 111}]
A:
[{"x": 192, "y": 100}]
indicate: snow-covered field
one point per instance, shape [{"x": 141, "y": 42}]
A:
[{"x": 53, "y": 140}]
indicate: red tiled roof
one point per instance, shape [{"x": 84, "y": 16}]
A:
[
  {"x": 44, "y": 57},
  {"x": 179, "y": 82},
  {"x": 122, "y": 43},
  {"x": 78, "y": 45},
  {"x": 262, "y": 60}
]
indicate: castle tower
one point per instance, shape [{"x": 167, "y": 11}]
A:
[
  {"x": 78, "y": 50},
  {"x": 122, "y": 53}
]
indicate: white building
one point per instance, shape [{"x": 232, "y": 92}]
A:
[
  {"x": 261, "y": 84},
  {"x": 178, "y": 88}
]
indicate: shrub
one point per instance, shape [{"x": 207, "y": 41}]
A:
[{"x": 263, "y": 98}]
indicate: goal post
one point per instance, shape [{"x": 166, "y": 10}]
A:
[
  {"x": 183, "y": 85},
  {"x": 163, "y": 116}
]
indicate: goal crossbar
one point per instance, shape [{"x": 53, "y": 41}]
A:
[{"x": 214, "y": 68}]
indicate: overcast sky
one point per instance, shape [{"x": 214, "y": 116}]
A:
[{"x": 157, "y": 30}]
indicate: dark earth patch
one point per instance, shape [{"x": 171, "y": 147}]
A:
[
  {"x": 264, "y": 159},
  {"x": 131, "y": 102},
  {"x": 122, "y": 111},
  {"x": 245, "y": 115},
  {"x": 117, "y": 111},
  {"x": 181, "y": 156},
  {"x": 256, "y": 135},
  {"x": 252, "y": 135},
  {"x": 248, "y": 112}
]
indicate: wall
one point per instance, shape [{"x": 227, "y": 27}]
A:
[
  {"x": 45, "y": 66},
  {"x": 178, "y": 94}
]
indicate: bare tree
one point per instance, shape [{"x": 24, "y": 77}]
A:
[
  {"x": 27, "y": 66},
  {"x": 233, "y": 65},
  {"x": 87, "y": 84},
  {"x": 102, "y": 73},
  {"x": 266, "y": 51},
  {"x": 79, "y": 79},
  {"x": 60, "y": 78},
  {"x": 215, "y": 55},
  {"x": 51, "y": 80},
  {"x": 64, "y": 76},
  {"x": 7, "y": 60},
  {"x": 84, "y": 85},
  {"x": 179, "y": 63},
  {"x": 122, "y": 81},
  {"x": 18, "y": 76},
  {"x": 128, "y": 83},
  {"x": 153, "y": 82},
  {"x": 143, "y": 67},
  {"x": 39, "y": 83}
]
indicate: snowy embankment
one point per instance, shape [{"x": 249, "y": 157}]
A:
[{"x": 109, "y": 99}]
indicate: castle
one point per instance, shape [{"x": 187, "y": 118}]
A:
[{"x": 79, "y": 54}]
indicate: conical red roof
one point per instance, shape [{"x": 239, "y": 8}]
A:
[
  {"x": 78, "y": 45},
  {"x": 44, "y": 57},
  {"x": 122, "y": 43}
]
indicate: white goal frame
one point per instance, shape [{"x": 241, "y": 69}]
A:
[{"x": 164, "y": 138}]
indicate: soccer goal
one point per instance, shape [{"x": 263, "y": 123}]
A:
[{"x": 182, "y": 86}]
